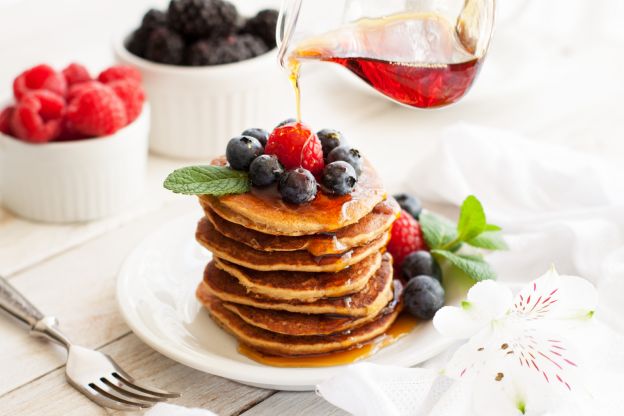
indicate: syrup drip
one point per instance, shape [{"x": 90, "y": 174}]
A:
[{"x": 401, "y": 327}]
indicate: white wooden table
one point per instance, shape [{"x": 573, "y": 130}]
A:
[{"x": 552, "y": 94}]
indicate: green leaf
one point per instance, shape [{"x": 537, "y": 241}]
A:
[
  {"x": 474, "y": 266},
  {"x": 492, "y": 227},
  {"x": 471, "y": 219},
  {"x": 207, "y": 180},
  {"x": 489, "y": 240},
  {"x": 438, "y": 231}
]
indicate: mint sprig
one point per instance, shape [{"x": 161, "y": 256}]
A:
[
  {"x": 207, "y": 180},
  {"x": 448, "y": 242}
]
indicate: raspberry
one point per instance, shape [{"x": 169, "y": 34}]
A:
[
  {"x": 132, "y": 96},
  {"x": 77, "y": 89},
  {"x": 118, "y": 72},
  {"x": 75, "y": 74},
  {"x": 40, "y": 77},
  {"x": 295, "y": 145},
  {"x": 96, "y": 111},
  {"x": 38, "y": 116},
  {"x": 5, "y": 120},
  {"x": 406, "y": 237}
]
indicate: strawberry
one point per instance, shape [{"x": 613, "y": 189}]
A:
[
  {"x": 119, "y": 72},
  {"x": 295, "y": 145},
  {"x": 38, "y": 117},
  {"x": 40, "y": 77},
  {"x": 96, "y": 111},
  {"x": 75, "y": 74},
  {"x": 5, "y": 120},
  {"x": 132, "y": 95},
  {"x": 406, "y": 237}
]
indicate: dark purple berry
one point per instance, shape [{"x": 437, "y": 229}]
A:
[
  {"x": 330, "y": 139},
  {"x": 410, "y": 204},
  {"x": 265, "y": 170},
  {"x": 202, "y": 18},
  {"x": 260, "y": 134},
  {"x": 339, "y": 178},
  {"x": 297, "y": 186},
  {"x": 424, "y": 296},
  {"x": 263, "y": 25},
  {"x": 164, "y": 46},
  {"x": 241, "y": 151},
  {"x": 287, "y": 121},
  {"x": 347, "y": 154},
  {"x": 420, "y": 262}
]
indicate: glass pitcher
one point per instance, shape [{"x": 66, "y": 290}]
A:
[{"x": 420, "y": 53}]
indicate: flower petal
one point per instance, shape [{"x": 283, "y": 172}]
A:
[{"x": 454, "y": 322}]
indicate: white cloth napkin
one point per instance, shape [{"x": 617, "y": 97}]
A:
[{"x": 556, "y": 206}]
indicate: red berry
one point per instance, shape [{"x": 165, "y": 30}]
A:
[
  {"x": 75, "y": 74},
  {"x": 118, "y": 72},
  {"x": 295, "y": 145},
  {"x": 40, "y": 77},
  {"x": 38, "y": 117},
  {"x": 96, "y": 111},
  {"x": 406, "y": 237},
  {"x": 5, "y": 120},
  {"x": 132, "y": 95},
  {"x": 75, "y": 90}
]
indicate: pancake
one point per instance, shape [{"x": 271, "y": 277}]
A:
[
  {"x": 304, "y": 286},
  {"x": 298, "y": 324},
  {"x": 240, "y": 254},
  {"x": 370, "y": 227},
  {"x": 288, "y": 345},
  {"x": 369, "y": 301},
  {"x": 263, "y": 210}
]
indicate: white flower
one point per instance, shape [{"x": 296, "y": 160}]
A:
[{"x": 518, "y": 356}]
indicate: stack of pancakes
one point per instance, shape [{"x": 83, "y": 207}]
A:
[{"x": 293, "y": 280}]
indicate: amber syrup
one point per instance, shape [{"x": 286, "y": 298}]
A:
[{"x": 415, "y": 59}]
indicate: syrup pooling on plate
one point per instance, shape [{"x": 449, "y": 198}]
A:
[{"x": 401, "y": 327}]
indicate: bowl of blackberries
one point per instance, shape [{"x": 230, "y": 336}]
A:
[{"x": 207, "y": 69}]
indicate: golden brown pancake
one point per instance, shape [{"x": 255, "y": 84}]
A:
[
  {"x": 369, "y": 301},
  {"x": 299, "y": 324},
  {"x": 364, "y": 231},
  {"x": 263, "y": 210},
  {"x": 288, "y": 345},
  {"x": 240, "y": 254},
  {"x": 304, "y": 286}
]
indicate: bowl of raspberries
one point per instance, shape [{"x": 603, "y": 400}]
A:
[
  {"x": 73, "y": 146},
  {"x": 208, "y": 70}
]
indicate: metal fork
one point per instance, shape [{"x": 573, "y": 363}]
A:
[{"x": 92, "y": 373}]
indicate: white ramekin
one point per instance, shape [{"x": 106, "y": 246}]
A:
[
  {"x": 196, "y": 110},
  {"x": 74, "y": 181}
]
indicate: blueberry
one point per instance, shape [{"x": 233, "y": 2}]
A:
[
  {"x": 339, "y": 178},
  {"x": 410, "y": 204},
  {"x": 260, "y": 134},
  {"x": 241, "y": 151},
  {"x": 424, "y": 295},
  {"x": 420, "y": 262},
  {"x": 297, "y": 186},
  {"x": 287, "y": 121},
  {"x": 330, "y": 139},
  {"x": 264, "y": 170},
  {"x": 347, "y": 154}
]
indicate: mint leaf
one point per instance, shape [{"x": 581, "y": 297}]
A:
[
  {"x": 474, "y": 266},
  {"x": 471, "y": 219},
  {"x": 492, "y": 227},
  {"x": 210, "y": 180},
  {"x": 437, "y": 231},
  {"x": 489, "y": 240}
]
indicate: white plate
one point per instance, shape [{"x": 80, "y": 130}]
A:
[{"x": 155, "y": 291}]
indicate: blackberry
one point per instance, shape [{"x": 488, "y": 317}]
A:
[
  {"x": 420, "y": 262},
  {"x": 265, "y": 170},
  {"x": 153, "y": 19},
  {"x": 339, "y": 178},
  {"x": 164, "y": 46},
  {"x": 260, "y": 134},
  {"x": 241, "y": 151},
  {"x": 410, "y": 204},
  {"x": 297, "y": 186},
  {"x": 234, "y": 48},
  {"x": 263, "y": 25},
  {"x": 202, "y": 18},
  {"x": 424, "y": 296},
  {"x": 347, "y": 154},
  {"x": 330, "y": 139},
  {"x": 137, "y": 43}
]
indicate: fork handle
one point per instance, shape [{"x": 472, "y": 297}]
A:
[{"x": 13, "y": 302}]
